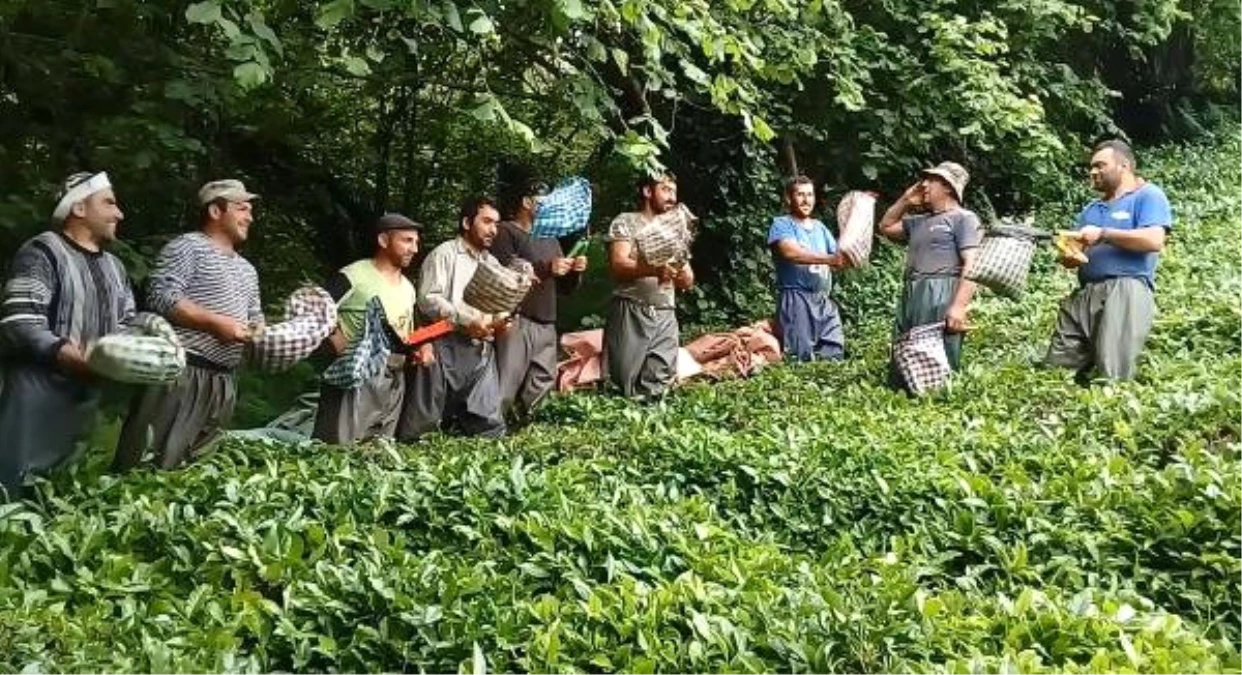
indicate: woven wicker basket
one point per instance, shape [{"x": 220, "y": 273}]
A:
[
  {"x": 495, "y": 288},
  {"x": 666, "y": 239}
]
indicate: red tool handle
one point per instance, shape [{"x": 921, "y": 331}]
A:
[{"x": 430, "y": 332}]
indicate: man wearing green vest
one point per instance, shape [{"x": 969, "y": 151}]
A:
[{"x": 372, "y": 408}]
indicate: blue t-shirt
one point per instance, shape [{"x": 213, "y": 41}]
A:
[
  {"x": 1144, "y": 207},
  {"x": 812, "y": 236}
]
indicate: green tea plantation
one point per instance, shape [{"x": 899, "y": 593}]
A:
[{"x": 806, "y": 520}]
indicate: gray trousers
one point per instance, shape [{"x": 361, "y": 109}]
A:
[
  {"x": 460, "y": 392},
  {"x": 810, "y": 326},
  {"x": 42, "y": 415},
  {"x": 640, "y": 347},
  {"x": 174, "y": 421},
  {"x": 925, "y": 301},
  {"x": 1102, "y": 327},
  {"x": 526, "y": 363},
  {"x": 370, "y": 410}
]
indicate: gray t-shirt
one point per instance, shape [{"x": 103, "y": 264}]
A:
[
  {"x": 646, "y": 290},
  {"x": 937, "y": 240}
]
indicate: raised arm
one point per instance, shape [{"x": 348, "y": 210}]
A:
[{"x": 891, "y": 225}]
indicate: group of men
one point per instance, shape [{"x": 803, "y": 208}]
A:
[
  {"x": 1101, "y": 327},
  {"x": 64, "y": 291}
]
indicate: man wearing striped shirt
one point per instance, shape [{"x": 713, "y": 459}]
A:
[
  {"x": 64, "y": 291},
  {"x": 210, "y": 294}
]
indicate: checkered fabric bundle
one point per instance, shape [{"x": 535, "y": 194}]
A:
[
  {"x": 147, "y": 352},
  {"x": 366, "y": 356},
  {"x": 666, "y": 239},
  {"x": 856, "y": 225},
  {"x": 1004, "y": 259},
  {"x": 495, "y": 288},
  {"x": 921, "y": 358},
  {"x": 563, "y": 211},
  {"x": 310, "y": 315}
]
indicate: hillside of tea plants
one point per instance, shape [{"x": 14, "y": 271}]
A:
[{"x": 805, "y": 520}]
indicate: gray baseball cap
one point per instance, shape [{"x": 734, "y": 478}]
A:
[{"x": 228, "y": 189}]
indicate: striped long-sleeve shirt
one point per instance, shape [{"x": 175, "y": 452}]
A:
[
  {"x": 58, "y": 291},
  {"x": 192, "y": 268}
]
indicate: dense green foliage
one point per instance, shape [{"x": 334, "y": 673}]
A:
[
  {"x": 805, "y": 520},
  {"x": 337, "y": 109}
]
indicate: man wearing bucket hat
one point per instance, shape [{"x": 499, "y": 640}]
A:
[
  {"x": 372, "y": 408},
  {"x": 1103, "y": 325},
  {"x": 941, "y": 238},
  {"x": 210, "y": 294},
  {"x": 63, "y": 292}
]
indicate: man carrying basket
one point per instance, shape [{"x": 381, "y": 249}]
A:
[
  {"x": 459, "y": 391},
  {"x": 648, "y": 257}
]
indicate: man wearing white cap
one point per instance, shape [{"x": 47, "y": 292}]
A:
[
  {"x": 210, "y": 294},
  {"x": 63, "y": 292},
  {"x": 942, "y": 238}
]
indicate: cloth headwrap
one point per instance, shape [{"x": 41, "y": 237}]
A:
[{"x": 77, "y": 193}]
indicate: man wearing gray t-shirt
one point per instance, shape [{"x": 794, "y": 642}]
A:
[
  {"x": 941, "y": 241},
  {"x": 641, "y": 334}
]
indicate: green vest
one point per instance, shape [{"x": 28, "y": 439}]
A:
[{"x": 366, "y": 282}]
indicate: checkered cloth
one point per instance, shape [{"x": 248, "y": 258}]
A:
[
  {"x": 310, "y": 316},
  {"x": 366, "y": 356},
  {"x": 921, "y": 358},
  {"x": 1004, "y": 259},
  {"x": 147, "y": 352},
  {"x": 563, "y": 211},
  {"x": 856, "y": 226},
  {"x": 495, "y": 289},
  {"x": 666, "y": 239}
]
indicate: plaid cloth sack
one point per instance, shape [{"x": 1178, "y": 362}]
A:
[
  {"x": 310, "y": 315},
  {"x": 666, "y": 239},
  {"x": 856, "y": 226},
  {"x": 146, "y": 352},
  {"x": 1004, "y": 259},
  {"x": 366, "y": 356},
  {"x": 563, "y": 211},
  {"x": 495, "y": 289},
  {"x": 921, "y": 358}
]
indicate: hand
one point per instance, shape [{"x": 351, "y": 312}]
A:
[
  {"x": 1091, "y": 235},
  {"x": 424, "y": 355},
  {"x": 73, "y": 362},
  {"x": 229, "y": 330},
  {"x": 502, "y": 324},
  {"x": 478, "y": 328},
  {"x": 837, "y": 261},
  {"x": 667, "y": 273},
  {"x": 955, "y": 319},
  {"x": 580, "y": 264},
  {"x": 562, "y": 266},
  {"x": 684, "y": 278},
  {"x": 913, "y": 196}
]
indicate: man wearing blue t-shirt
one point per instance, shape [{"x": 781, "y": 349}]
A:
[
  {"x": 1103, "y": 325},
  {"x": 805, "y": 254}
]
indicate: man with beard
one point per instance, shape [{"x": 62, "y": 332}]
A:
[
  {"x": 942, "y": 239},
  {"x": 805, "y": 253},
  {"x": 641, "y": 332},
  {"x": 210, "y": 294},
  {"x": 63, "y": 292},
  {"x": 526, "y": 355},
  {"x": 372, "y": 409},
  {"x": 1103, "y": 325},
  {"x": 459, "y": 391}
]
